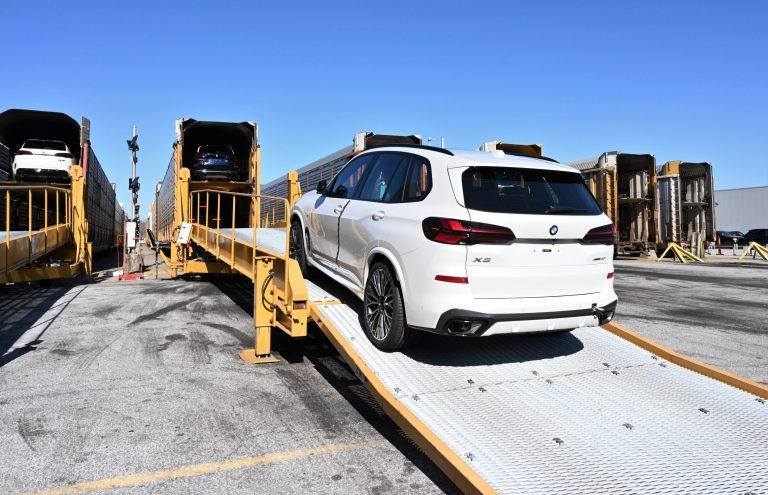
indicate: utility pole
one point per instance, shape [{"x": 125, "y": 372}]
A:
[
  {"x": 133, "y": 261},
  {"x": 133, "y": 185}
]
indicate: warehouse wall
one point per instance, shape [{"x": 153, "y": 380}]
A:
[{"x": 742, "y": 209}]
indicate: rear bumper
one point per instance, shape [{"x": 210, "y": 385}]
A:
[
  {"x": 475, "y": 324},
  {"x": 215, "y": 174},
  {"x": 59, "y": 175}
]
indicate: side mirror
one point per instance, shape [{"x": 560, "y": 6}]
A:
[{"x": 321, "y": 186}]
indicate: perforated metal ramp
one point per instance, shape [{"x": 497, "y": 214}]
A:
[{"x": 585, "y": 412}]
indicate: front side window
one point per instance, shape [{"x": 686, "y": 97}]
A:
[
  {"x": 527, "y": 191},
  {"x": 345, "y": 184}
]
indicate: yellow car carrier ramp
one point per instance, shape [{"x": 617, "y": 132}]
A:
[
  {"x": 40, "y": 220},
  {"x": 579, "y": 412},
  {"x": 595, "y": 410}
]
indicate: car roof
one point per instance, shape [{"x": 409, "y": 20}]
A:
[{"x": 462, "y": 158}]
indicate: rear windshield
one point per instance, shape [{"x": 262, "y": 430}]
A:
[
  {"x": 212, "y": 148},
  {"x": 528, "y": 191},
  {"x": 40, "y": 144}
]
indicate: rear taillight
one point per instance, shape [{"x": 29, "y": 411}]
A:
[
  {"x": 450, "y": 231},
  {"x": 22, "y": 152},
  {"x": 601, "y": 235},
  {"x": 610, "y": 275},
  {"x": 64, "y": 155}
]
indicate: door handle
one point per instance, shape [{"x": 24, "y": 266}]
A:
[
  {"x": 377, "y": 215},
  {"x": 338, "y": 209}
]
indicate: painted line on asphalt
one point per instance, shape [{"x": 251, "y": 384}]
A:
[{"x": 201, "y": 469}]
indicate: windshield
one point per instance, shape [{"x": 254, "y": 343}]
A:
[
  {"x": 39, "y": 144},
  {"x": 527, "y": 191}
]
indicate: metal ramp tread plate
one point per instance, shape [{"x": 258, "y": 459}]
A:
[
  {"x": 318, "y": 295},
  {"x": 582, "y": 412},
  {"x": 271, "y": 239}
]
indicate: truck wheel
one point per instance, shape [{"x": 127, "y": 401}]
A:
[
  {"x": 296, "y": 247},
  {"x": 384, "y": 313}
]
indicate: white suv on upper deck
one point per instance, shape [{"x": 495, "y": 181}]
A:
[
  {"x": 44, "y": 159},
  {"x": 461, "y": 243}
]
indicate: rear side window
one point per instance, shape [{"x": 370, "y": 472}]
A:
[
  {"x": 419, "y": 180},
  {"x": 527, "y": 191}
]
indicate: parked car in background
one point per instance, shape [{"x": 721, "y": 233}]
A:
[
  {"x": 43, "y": 159},
  {"x": 215, "y": 162},
  {"x": 729, "y": 237},
  {"x": 759, "y": 236},
  {"x": 459, "y": 243}
]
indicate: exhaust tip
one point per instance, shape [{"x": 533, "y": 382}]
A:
[{"x": 464, "y": 327}]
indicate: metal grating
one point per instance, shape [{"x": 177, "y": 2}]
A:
[
  {"x": 585, "y": 412},
  {"x": 319, "y": 295}
]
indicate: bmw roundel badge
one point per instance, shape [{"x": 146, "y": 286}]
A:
[{"x": 553, "y": 230}]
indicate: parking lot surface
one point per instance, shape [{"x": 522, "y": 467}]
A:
[
  {"x": 137, "y": 387},
  {"x": 716, "y": 314},
  {"x": 143, "y": 379}
]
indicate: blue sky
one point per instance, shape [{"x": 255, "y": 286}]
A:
[{"x": 681, "y": 80}]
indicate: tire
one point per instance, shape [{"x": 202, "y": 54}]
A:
[
  {"x": 384, "y": 312},
  {"x": 296, "y": 247}
]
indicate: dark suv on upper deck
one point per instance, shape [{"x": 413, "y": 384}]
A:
[{"x": 215, "y": 162}]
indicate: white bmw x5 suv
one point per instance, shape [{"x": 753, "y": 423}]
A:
[{"x": 460, "y": 243}]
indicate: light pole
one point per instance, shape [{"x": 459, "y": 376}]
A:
[{"x": 133, "y": 267}]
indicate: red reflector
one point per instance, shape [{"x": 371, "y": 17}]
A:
[
  {"x": 453, "y": 280},
  {"x": 610, "y": 275}
]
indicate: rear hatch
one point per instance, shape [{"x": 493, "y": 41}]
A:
[
  {"x": 216, "y": 157},
  {"x": 549, "y": 212}
]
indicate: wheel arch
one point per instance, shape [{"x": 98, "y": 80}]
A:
[{"x": 381, "y": 254}]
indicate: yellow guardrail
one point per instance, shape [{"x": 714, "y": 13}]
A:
[
  {"x": 45, "y": 227},
  {"x": 280, "y": 292}
]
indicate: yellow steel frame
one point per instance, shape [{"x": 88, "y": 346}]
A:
[
  {"x": 280, "y": 292},
  {"x": 755, "y": 249},
  {"x": 67, "y": 238},
  {"x": 681, "y": 254}
]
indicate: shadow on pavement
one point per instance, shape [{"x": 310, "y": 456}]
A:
[
  {"x": 316, "y": 349},
  {"x": 21, "y": 309}
]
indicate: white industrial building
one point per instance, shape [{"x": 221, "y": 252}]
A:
[{"x": 742, "y": 209}]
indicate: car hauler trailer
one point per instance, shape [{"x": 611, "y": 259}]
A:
[
  {"x": 596, "y": 410},
  {"x": 5, "y": 163},
  {"x": 625, "y": 186},
  {"x": 686, "y": 194},
  {"x": 177, "y": 185},
  {"x": 327, "y": 167},
  {"x": 64, "y": 223}
]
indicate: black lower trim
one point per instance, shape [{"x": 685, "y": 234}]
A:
[{"x": 492, "y": 319}]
